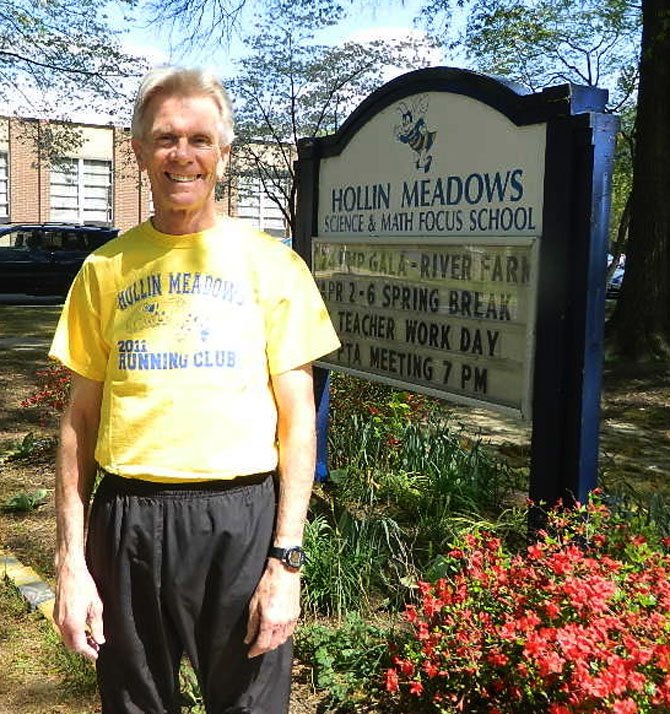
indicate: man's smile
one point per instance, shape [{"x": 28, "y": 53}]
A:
[{"x": 183, "y": 179}]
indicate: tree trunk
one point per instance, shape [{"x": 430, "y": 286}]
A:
[
  {"x": 618, "y": 245},
  {"x": 640, "y": 326}
]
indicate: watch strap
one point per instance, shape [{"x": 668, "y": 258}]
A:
[{"x": 293, "y": 557}]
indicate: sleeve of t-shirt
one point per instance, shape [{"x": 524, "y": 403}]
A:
[
  {"x": 299, "y": 329},
  {"x": 78, "y": 342}
]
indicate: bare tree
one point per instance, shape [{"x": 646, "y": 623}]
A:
[
  {"x": 58, "y": 56},
  {"x": 210, "y": 22},
  {"x": 288, "y": 87}
]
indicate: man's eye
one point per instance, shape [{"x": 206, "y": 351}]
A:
[
  {"x": 201, "y": 141},
  {"x": 165, "y": 139}
]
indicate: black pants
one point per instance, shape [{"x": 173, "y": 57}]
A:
[{"x": 176, "y": 567}]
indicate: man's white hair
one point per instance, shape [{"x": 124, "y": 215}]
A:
[{"x": 182, "y": 82}]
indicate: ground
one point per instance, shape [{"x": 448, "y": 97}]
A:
[
  {"x": 634, "y": 429},
  {"x": 35, "y": 675}
]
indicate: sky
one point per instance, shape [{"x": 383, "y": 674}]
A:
[
  {"x": 367, "y": 21},
  {"x": 373, "y": 20}
]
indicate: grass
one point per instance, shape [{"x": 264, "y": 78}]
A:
[
  {"x": 353, "y": 562},
  {"x": 18, "y": 381},
  {"x": 38, "y": 675},
  {"x": 28, "y": 321}
]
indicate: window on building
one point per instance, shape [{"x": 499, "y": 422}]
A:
[
  {"x": 4, "y": 186},
  {"x": 81, "y": 191},
  {"x": 258, "y": 208}
]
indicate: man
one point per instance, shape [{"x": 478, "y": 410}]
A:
[{"x": 190, "y": 340}]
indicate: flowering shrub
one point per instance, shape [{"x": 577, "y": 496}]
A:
[
  {"x": 579, "y": 622},
  {"x": 53, "y": 391},
  {"x": 387, "y": 409}
]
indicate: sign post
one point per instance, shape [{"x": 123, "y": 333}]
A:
[{"x": 457, "y": 230}]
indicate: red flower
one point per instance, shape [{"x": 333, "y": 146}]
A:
[
  {"x": 625, "y": 706},
  {"x": 549, "y": 663},
  {"x": 552, "y": 610},
  {"x": 599, "y": 540},
  {"x": 405, "y": 666},
  {"x": 497, "y": 659},
  {"x": 424, "y": 588},
  {"x": 581, "y": 628},
  {"x": 416, "y": 688},
  {"x": 392, "y": 684},
  {"x": 431, "y": 605}
]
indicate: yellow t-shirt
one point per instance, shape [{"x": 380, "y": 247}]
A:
[{"x": 184, "y": 332}]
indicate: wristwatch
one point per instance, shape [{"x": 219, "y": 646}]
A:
[{"x": 293, "y": 557}]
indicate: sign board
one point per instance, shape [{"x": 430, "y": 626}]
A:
[
  {"x": 457, "y": 230},
  {"x": 428, "y": 223},
  {"x": 448, "y": 318}
]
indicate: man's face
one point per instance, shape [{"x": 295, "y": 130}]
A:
[{"x": 181, "y": 153}]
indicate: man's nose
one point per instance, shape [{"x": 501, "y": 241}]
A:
[{"x": 181, "y": 150}]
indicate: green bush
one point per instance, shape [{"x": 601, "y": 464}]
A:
[
  {"x": 342, "y": 659},
  {"x": 26, "y": 449},
  {"x": 398, "y": 456},
  {"x": 24, "y": 502},
  {"x": 352, "y": 562}
]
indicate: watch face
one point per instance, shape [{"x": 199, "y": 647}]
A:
[{"x": 295, "y": 557}]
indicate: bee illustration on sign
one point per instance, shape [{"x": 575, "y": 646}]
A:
[{"x": 413, "y": 131}]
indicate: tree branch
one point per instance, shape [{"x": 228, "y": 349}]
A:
[{"x": 62, "y": 68}]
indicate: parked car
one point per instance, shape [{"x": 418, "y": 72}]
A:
[
  {"x": 43, "y": 258},
  {"x": 616, "y": 278}
]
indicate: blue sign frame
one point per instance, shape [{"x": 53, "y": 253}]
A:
[{"x": 570, "y": 309}]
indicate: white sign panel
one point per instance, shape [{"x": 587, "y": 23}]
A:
[
  {"x": 435, "y": 164},
  {"x": 446, "y": 318},
  {"x": 426, "y": 255}
]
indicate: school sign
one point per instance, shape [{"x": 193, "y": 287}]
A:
[{"x": 457, "y": 229}]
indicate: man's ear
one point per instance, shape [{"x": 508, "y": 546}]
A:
[
  {"x": 222, "y": 162},
  {"x": 137, "y": 150}
]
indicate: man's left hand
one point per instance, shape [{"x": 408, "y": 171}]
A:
[{"x": 274, "y": 609}]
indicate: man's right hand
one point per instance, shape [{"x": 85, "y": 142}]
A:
[
  {"x": 78, "y": 611},
  {"x": 78, "y": 608}
]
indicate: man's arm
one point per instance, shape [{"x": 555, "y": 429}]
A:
[
  {"x": 275, "y": 606},
  {"x": 78, "y": 609}
]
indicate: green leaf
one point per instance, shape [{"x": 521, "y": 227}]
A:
[
  {"x": 24, "y": 502},
  {"x": 338, "y": 476}
]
